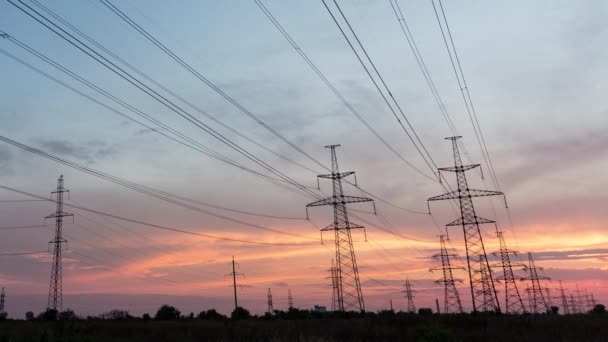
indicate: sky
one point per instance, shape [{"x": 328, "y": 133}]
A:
[{"x": 535, "y": 71}]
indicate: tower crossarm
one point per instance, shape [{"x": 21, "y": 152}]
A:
[
  {"x": 459, "y": 168},
  {"x": 470, "y": 193},
  {"x": 470, "y": 220},
  {"x": 350, "y": 226},
  {"x": 338, "y": 175},
  {"x": 441, "y": 268},
  {"x": 339, "y": 199}
]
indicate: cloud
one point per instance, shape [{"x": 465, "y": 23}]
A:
[
  {"x": 88, "y": 152},
  {"x": 596, "y": 253},
  {"x": 280, "y": 284}
]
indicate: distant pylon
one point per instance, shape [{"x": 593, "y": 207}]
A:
[
  {"x": 593, "y": 302},
  {"x": 563, "y": 299},
  {"x": 483, "y": 292},
  {"x": 573, "y": 304},
  {"x": 451, "y": 297},
  {"x": 548, "y": 298},
  {"x": 334, "y": 286},
  {"x": 2, "y": 297},
  {"x": 270, "y": 307},
  {"x": 350, "y": 296},
  {"x": 234, "y": 274},
  {"x": 411, "y": 308},
  {"x": 289, "y": 300},
  {"x": 55, "y": 301},
  {"x": 588, "y": 301},
  {"x": 538, "y": 303},
  {"x": 513, "y": 302}
]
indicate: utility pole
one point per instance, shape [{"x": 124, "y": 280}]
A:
[
  {"x": 483, "y": 292},
  {"x": 451, "y": 298},
  {"x": 411, "y": 308},
  {"x": 289, "y": 299},
  {"x": 234, "y": 274},
  {"x": 391, "y": 303},
  {"x": 563, "y": 299},
  {"x": 270, "y": 307},
  {"x": 538, "y": 303},
  {"x": 350, "y": 296},
  {"x": 437, "y": 306},
  {"x": 55, "y": 301},
  {"x": 513, "y": 302},
  {"x": 2, "y": 309}
]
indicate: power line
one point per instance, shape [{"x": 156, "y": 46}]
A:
[{"x": 151, "y": 225}]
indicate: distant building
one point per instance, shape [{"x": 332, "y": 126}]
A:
[{"x": 318, "y": 308}]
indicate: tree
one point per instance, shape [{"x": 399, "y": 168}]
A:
[
  {"x": 146, "y": 317},
  {"x": 116, "y": 315},
  {"x": 3, "y": 316},
  {"x": 211, "y": 315},
  {"x": 67, "y": 315},
  {"x": 167, "y": 313},
  {"x": 48, "y": 315},
  {"x": 599, "y": 308},
  {"x": 554, "y": 310},
  {"x": 240, "y": 313},
  {"x": 29, "y": 315}
]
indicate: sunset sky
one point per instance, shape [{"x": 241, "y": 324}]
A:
[{"x": 536, "y": 72}]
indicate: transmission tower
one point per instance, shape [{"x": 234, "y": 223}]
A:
[
  {"x": 289, "y": 300},
  {"x": 233, "y": 274},
  {"x": 270, "y": 307},
  {"x": 55, "y": 301},
  {"x": 2, "y": 309},
  {"x": 451, "y": 297},
  {"x": 513, "y": 302},
  {"x": 573, "y": 304},
  {"x": 538, "y": 303},
  {"x": 334, "y": 286},
  {"x": 349, "y": 296},
  {"x": 548, "y": 298},
  {"x": 563, "y": 299},
  {"x": 483, "y": 292},
  {"x": 411, "y": 308}
]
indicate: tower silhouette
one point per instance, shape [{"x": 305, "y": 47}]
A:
[
  {"x": 233, "y": 274},
  {"x": 55, "y": 300},
  {"x": 563, "y": 299},
  {"x": 2, "y": 298},
  {"x": 513, "y": 301},
  {"x": 538, "y": 302},
  {"x": 483, "y": 292},
  {"x": 451, "y": 297},
  {"x": 289, "y": 299},
  {"x": 270, "y": 309},
  {"x": 411, "y": 308},
  {"x": 334, "y": 286},
  {"x": 349, "y": 295},
  {"x": 573, "y": 304}
]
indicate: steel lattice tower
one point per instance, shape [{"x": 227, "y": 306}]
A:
[
  {"x": 349, "y": 293},
  {"x": 411, "y": 308},
  {"x": 452, "y": 303},
  {"x": 538, "y": 303},
  {"x": 270, "y": 306},
  {"x": 2, "y": 297},
  {"x": 573, "y": 304},
  {"x": 55, "y": 301},
  {"x": 563, "y": 299},
  {"x": 513, "y": 301},
  {"x": 483, "y": 292},
  {"x": 289, "y": 300},
  {"x": 334, "y": 286}
]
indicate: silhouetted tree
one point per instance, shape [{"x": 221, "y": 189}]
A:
[
  {"x": 599, "y": 308},
  {"x": 29, "y": 315},
  {"x": 425, "y": 311},
  {"x": 3, "y": 316},
  {"x": 48, "y": 315},
  {"x": 240, "y": 313},
  {"x": 167, "y": 313},
  {"x": 67, "y": 315},
  {"x": 554, "y": 310},
  {"x": 212, "y": 315},
  {"x": 116, "y": 315},
  {"x": 146, "y": 317}
]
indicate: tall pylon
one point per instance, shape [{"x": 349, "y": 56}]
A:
[
  {"x": 334, "y": 286},
  {"x": 55, "y": 301},
  {"x": 289, "y": 300},
  {"x": 538, "y": 302},
  {"x": 270, "y": 309},
  {"x": 469, "y": 221},
  {"x": 233, "y": 274},
  {"x": 350, "y": 296},
  {"x": 409, "y": 295},
  {"x": 451, "y": 297},
  {"x": 563, "y": 299},
  {"x": 513, "y": 301},
  {"x": 2, "y": 298}
]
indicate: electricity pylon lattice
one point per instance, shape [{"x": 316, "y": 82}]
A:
[
  {"x": 55, "y": 301},
  {"x": 2, "y": 309},
  {"x": 563, "y": 299},
  {"x": 349, "y": 296},
  {"x": 536, "y": 298},
  {"x": 289, "y": 300},
  {"x": 270, "y": 309},
  {"x": 409, "y": 295},
  {"x": 573, "y": 305},
  {"x": 451, "y": 297},
  {"x": 513, "y": 301},
  {"x": 334, "y": 286},
  {"x": 483, "y": 292}
]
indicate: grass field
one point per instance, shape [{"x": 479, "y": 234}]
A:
[{"x": 388, "y": 327}]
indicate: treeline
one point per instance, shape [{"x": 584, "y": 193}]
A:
[{"x": 171, "y": 313}]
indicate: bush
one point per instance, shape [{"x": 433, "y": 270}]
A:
[
  {"x": 67, "y": 315},
  {"x": 167, "y": 313},
  {"x": 146, "y": 317},
  {"x": 240, "y": 313},
  {"x": 29, "y": 316},
  {"x": 599, "y": 308},
  {"x": 116, "y": 315},
  {"x": 48, "y": 315},
  {"x": 211, "y": 315}
]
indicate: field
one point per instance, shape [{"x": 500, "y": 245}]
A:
[{"x": 384, "y": 327}]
